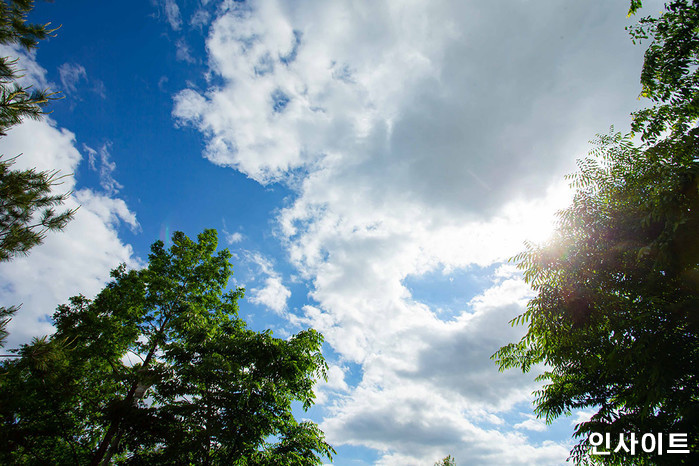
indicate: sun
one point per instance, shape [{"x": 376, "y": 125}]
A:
[{"x": 536, "y": 218}]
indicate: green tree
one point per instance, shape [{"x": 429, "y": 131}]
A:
[
  {"x": 18, "y": 102},
  {"x": 159, "y": 369},
  {"x": 446, "y": 461},
  {"x": 670, "y": 74},
  {"x": 615, "y": 322},
  {"x": 27, "y": 213},
  {"x": 27, "y": 206}
]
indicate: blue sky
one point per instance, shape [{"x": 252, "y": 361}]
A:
[{"x": 371, "y": 165}]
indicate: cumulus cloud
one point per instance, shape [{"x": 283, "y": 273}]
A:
[
  {"x": 273, "y": 294},
  {"x": 335, "y": 384},
  {"x": 232, "y": 238},
  {"x": 416, "y": 139},
  {"x": 235, "y": 237},
  {"x": 76, "y": 260},
  {"x": 531, "y": 423}
]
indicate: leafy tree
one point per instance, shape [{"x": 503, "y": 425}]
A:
[
  {"x": 670, "y": 75},
  {"x": 159, "y": 369},
  {"x": 27, "y": 206},
  {"x": 615, "y": 320},
  {"x": 446, "y": 461}
]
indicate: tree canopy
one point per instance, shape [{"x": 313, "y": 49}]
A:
[
  {"x": 670, "y": 75},
  {"x": 159, "y": 369},
  {"x": 614, "y": 320},
  {"x": 614, "y": 323}
]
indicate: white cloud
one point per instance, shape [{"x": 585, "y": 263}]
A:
[
  {"x": 71, "y": 74},
  {"x": 200, "y": 18},
  {"x": 74, "y": 261},
  {"x": 581, "y": 416},
  {"x": 172, "y": 14},
  {"x": 413, "y": 425},
  {"x": 162, "y": 82},
  {"x": 106, "y": 167},
  {"x": 99, "y": 88},
  {"x": 531, "y": 423},
  {"x": 182, "y": 52},
  {"x": 30, "y": 72},
  {"x": 232, "y": 238},
  {"x": 335, "y": 384},
  {"x": 336, "y": 378},
  {"x": 111, "y": 211},
  {"x": 273, "y": 294},
  {"x": 416, "y": 139},
  {"x": 235, "y": 237}
]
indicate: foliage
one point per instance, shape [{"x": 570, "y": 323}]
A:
[
  {"x": 159, "y": 369},
  {"x": 670, "y": 75},
  {"x": 614, "y": 320},
  {"x": 18, "y": 102},
  {"x": 6, "y": 314},
  {"x": 27, "y": 213},
  {"x": 446, "y": 461},
  {"x": 27, "y": 208}
]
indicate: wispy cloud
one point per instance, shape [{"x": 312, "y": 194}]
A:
[
  {"x": 182, "y": 52},
  {"x": 71, "y": 74},
  {"x": 172, "y": 14},
  {"x": 200, "y": 18},
  {"x": 100, "y": 161}
]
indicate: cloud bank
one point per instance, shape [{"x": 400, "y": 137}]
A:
[{"x": 418, "y": 139}]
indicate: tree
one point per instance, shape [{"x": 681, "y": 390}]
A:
[
  {"x": 670, "y": 75},
  {"x": 27, "y": 206},
  {"x": 615, "y": 320},
  {"x": 446, "y": 461},
  {"x": 18, "y": 102},
  {"x": 27, "y": 213},
  {"x": 159, "y": 369}
]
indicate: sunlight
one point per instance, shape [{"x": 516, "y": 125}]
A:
[{"x": 536, "y": 219}]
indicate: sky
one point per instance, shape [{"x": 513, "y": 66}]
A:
[{"x": 372, "y": 166}]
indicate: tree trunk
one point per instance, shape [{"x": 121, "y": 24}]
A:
[{"x": 111, "y": 439}]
